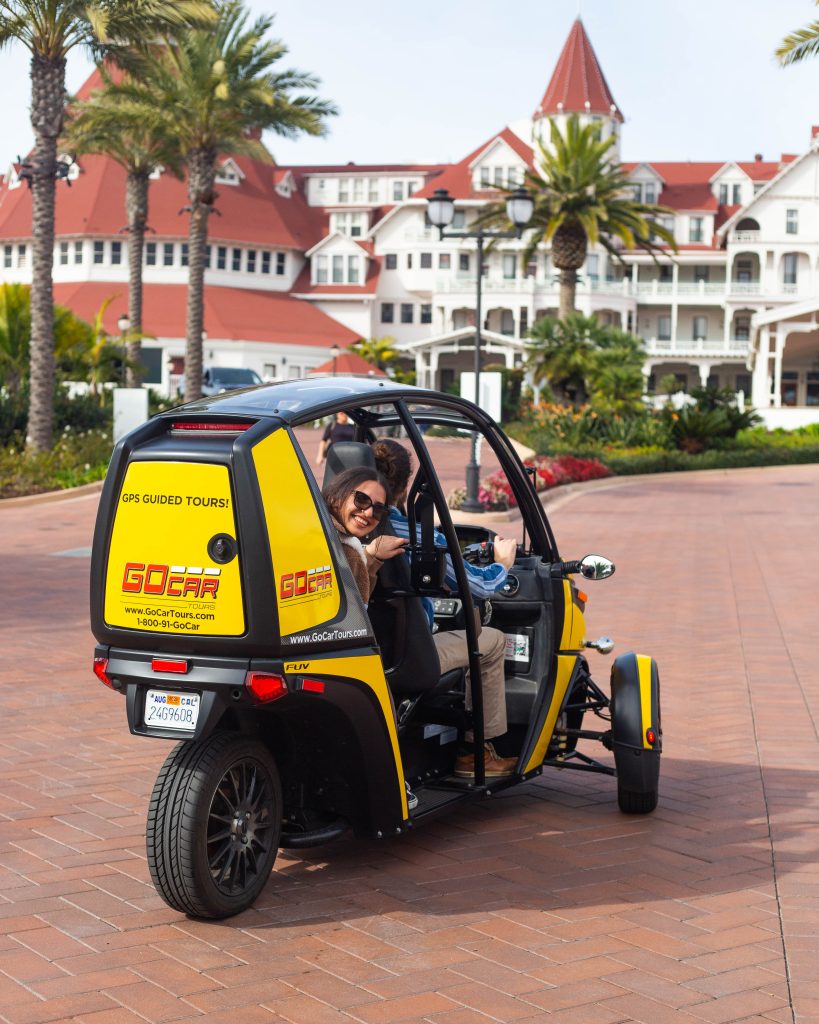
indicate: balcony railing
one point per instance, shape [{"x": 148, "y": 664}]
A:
[
  {"x": 745, "y": 236},
  {"x": 745, "y": 287},
  {"x": 733, "y": 348}
]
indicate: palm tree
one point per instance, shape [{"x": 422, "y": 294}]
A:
[
  {"x": 378, "y": 352},
  {"x": 219, "y": 87},
  {"x": 50, "y": 29},
  {"x": 140, "y": 138},
  {"x": 582, "y": 198},
  {"x": 799, "y": 45}
]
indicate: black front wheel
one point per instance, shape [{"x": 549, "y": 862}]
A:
[{"x": 214, "y": 822}]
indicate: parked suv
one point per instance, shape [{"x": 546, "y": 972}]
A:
[{"x": 217, "y": 379}]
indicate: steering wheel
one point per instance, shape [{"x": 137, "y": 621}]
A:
[{"x": 481, "y": 553}]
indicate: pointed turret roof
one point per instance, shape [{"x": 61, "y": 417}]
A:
[{"x": 578, "y": 85}]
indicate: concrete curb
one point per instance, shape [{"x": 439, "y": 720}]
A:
[{"x": 46, "y": 497}]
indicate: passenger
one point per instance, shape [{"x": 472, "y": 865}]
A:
[
  {"x": 356, "y": 499},
  {"x": 394, "y": 463}
]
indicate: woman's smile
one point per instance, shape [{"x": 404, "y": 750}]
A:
[{"x": 357, "y": 522}]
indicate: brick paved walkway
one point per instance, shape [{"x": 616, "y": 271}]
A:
[{"x": 544, "y": 905}]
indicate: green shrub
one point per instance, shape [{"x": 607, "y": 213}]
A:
[{"x": 77, "y": 458}]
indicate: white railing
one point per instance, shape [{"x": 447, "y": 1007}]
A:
[
  {"x": 745, "y": 236},
  {"x": 732, "y": 348},
  {"x": 745, "y": 287}
]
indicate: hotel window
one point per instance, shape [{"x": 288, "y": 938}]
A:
[
  {"x": 8, "y": 255},
  {"x": 412, "y": 188},
  {"x": 78, "y": 248},
  {"x": 426, "y": 261},
  {"x": 507, "y": 325},
  {"x": 116, "y": 253},
  {"x": 485, "y": 179},
  {"x": 353, "y": 269},
  {"x": 444, "y": 261},
  {"x": 409, "y": 261},
  {"x": 321, "y": 268},
  {"x": 358, "y": 190},
  {"x": 789, "y": 268},
  {"x": 744, "y": 271},
  {"x": 167, "y": 254},
  {"x": 372, "y": 190},
  {"x": 458, "y": 220},
  {"x": 651, "y": 192},
  {"x": 664, "y": 328},
  {"x": 743, "y": 383},
  {"x": 509, "y": 261},
  {"x": 790, "y": 386},
  {"x": 426, "y": 313},
  {"x": 221, "y": 257},
  {"x": 338, "y": 269},
  {"x": 183, "y": 253},
  {"x": 398, "y": 191},
  {"x": 265, "y": 262},
  {"x": 593, "y": 267},
  {"x": 269, "y": 371},
  {"x": 99, "y": 252},
  {"x": 700, "y": 274},
  {"x": 723, "y": 194},
  {"x": 236, "y": 260},
  {"x": 251, "y": 261},
  {"x": 150, "y": 254},
  {"x": 208, "y": 251},
  {"x": 524, "y": 320},
  {"x": 791, "y": 222},
  {"x": 742, "y": 328},
  {"x": 343, "y": 190},
  {"x": 281, "y": 263},
  {"x": 812, "y": 388},
  {"x": 531, "y": 269},
  {"x": 736, "y": 198},
  {"x": 463, "y": 261},
  {"x": 406, "y": 312},
  {"x": 637, "y": 193},
  {"x": 497, "y": 176},
  {"x": 391, "y": 261},
  {"x": 700, "y": 328},
  {"x": 63, "y": 254},
  {"x": 387, "y": 312},
  {"x": 695, "y": 233},
  {"x": 666, "y": 273}
]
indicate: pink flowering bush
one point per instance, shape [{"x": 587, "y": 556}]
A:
[{"x": 496, "y": 494}]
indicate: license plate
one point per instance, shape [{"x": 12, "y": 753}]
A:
[{"x": 165, "y": 710}]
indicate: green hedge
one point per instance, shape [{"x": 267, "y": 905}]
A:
[{"x": 628, "y": 463}]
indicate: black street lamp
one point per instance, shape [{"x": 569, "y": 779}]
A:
[
  {"x": 334, "y": 352},
  {"x": 519, "y": 208}
]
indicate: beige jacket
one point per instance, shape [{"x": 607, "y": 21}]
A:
[{"x": 363, "y": 566}]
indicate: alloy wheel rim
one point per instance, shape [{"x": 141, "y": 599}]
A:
[{"x": 240, "y": 827}]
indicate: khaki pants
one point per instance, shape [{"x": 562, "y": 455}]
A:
[{"x": 453, "y": 653}]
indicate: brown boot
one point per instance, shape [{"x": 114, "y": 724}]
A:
[{"x": 494, "y": 767}]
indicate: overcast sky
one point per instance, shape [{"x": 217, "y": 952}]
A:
[{"x": 429, "y": 81}]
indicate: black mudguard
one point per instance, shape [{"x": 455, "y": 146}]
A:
[{"x": 635, "y": 714}]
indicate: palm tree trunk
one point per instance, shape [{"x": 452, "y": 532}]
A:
[
  {"x": 47, "y": 108},
  {"x": 201, "y": 178},
  {"x": 136, "y": 206},
  {"x": 568, "y": 291}
]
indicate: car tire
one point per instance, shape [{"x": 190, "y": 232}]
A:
[{"x": 214, "y": 823}]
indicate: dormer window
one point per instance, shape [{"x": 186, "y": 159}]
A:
[
  {"x": 497, "y": 176},
  {"x": 286, "y": 186},
  {"x": 229, "y": 173},
  {"x": 349, "y": 223},
  {"x": 336, "y": 269}
]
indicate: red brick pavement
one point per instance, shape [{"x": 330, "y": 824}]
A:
[{"x": 543, "y": 905}]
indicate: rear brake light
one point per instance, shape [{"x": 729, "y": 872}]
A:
[
  {"x": 265, "y": 686},
  {"x": 651, "y": 737},
  {"x": 161, "y": 665},
  {"x": 225, "y": 428},
  {"x": 101, "y": 671},
  {"x": 312, "y": 685}
]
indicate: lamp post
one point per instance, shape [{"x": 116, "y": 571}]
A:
[
  {"x": 124, "y": 325},
  {"x": 519, "y": 208},
  {"x": 334, "y": 352}
]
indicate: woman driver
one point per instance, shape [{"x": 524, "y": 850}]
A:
[{"x": 357, "y": 500}]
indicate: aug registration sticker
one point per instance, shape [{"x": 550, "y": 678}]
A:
[
  {"x": 517, "y": 647},
  {"x": 166, "y": 710}
]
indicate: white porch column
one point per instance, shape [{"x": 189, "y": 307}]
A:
[
  {"x": 674, "y": 305},
  {"x": 704, "y": 370},
  {"x": 760, "y": 383},
  {"x": 509, "y": 358},
  {"x": 433, "y": 369},
  {"x": 777, "y": 381}
]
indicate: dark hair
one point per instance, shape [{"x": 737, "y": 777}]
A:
[
  {"x": 394, "y": 462},
  {"x": 337, "y": 490}
]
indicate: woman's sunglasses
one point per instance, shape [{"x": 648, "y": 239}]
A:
[{"x": 363, "y": 501}]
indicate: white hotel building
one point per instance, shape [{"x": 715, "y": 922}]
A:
[{"x": 305, "y": 258}]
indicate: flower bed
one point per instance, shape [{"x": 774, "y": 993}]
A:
[{"x": 549, "y": 471}]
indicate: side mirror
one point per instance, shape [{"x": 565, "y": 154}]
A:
[{"x": 596, "y": 567}]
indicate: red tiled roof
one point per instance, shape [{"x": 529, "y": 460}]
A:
[
  {"x": 578, "y": 85},
  {"x": 234, "y": 314},
  {"x": 349, "y": 363},
  {"x": 303, "y": 285},
  {"x": 253, "y": 212},
  {"x": 457, "y": 178}
]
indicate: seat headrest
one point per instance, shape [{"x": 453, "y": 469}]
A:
[{"x": 347, "y": 455}]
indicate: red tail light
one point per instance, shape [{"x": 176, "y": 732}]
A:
[
  {"x": 163, "y": 665},
  {"x": 313, "y": 685},
  {"x": 265, "y": 686},
  {"x": 225, "y": 428},
  {"x": 651, "y": 737},
  {"x": 101, "y": 671}
]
